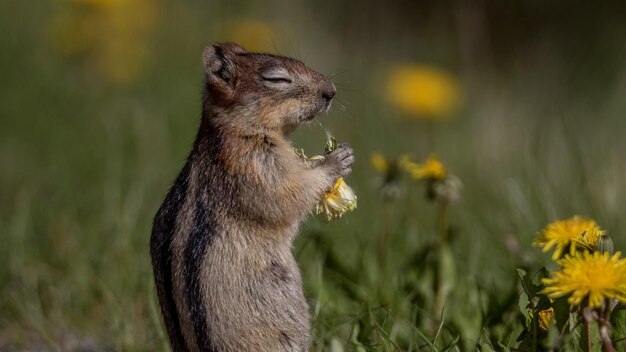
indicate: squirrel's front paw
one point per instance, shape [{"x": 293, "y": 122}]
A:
[{"x": 340, "y": 160}]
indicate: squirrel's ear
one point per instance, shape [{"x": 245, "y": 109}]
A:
[{"x": 218, "y": 61}]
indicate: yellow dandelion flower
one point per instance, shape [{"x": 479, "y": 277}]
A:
[
  {"x": 95, "y": 3},
  {"x": 588, "y": 239},
  {"x": 431, "y": 169},
  {"x": 422, "y": 91},
  {"x": 391, "y": 171},
  {"x": 593, "y": 276},
  {"x": 576, "y": 233},
  {"x": 340, "y": 199},
  {"x": 255, "y": 36},
  {"x": 546, "y": 319},
  {"x": 379, "y": 163},
  {"x": 110, "y": 36},
  {"x": 385, "y": 165}
]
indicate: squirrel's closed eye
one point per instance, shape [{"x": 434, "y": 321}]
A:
[
  {"x": 276, "y": 76},
  {"x": 277, "y": 79}
]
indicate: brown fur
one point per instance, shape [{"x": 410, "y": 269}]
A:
[{"x": 221, "y": 242}]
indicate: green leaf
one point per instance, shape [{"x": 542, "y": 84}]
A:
[
  {"x": 594, "y": 337},
  {"x": 553, "y": 337},
  {"x": 335, "y": 345},
  {"x": 542, "y": 302},
  {"x": 447, "y": 270},
  {"x": 541, "y": 274},
  {"x": 523, "y": 304},
  {"x": 618, "y": 320},
  {"x": 526, "y": 284},
  {"x": 354, "y": 338},
  {"x": 522, "y": 336},
  {"x": 485, "y": 347},
  {"x": 532, "y": 285},
  {"x": 561, "y": 312}
]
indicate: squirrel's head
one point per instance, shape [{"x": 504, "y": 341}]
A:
[{"x": 262, "y": 90}]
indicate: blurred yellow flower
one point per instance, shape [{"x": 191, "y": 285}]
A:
[
  {"x": 109, "y": 35},
  {"x": 431, "y": 169},
  {"x": 95, "y": 3},
  {"x": 379, "y": 163},
  {"x": 391, "y": 172},
  {"x": 339, "y": 200},
  {"x": 253, "y": 35},
  {"x": 576, "y": 233},
  {"x": 596, "y": 277},
  {"x": 546, "y": 319},
  {"x": 422, "y": 91},
  {"x": 384, "y": 165}
]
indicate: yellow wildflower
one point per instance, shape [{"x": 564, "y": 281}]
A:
[
  {"x": 431, "y": 169},
  {"x": 253, "y": 35},
  {"x": 588, "y": 239},
  {"x": 546, "y": 319},
  {"x": 576, "y": 232},
  {"x": 385, "y": 165},
  {"x": 110, "y": 36},
  {"x": 391, "y": 172},
  {"x": 422, "y": 91},
  {"x": 339, "y": 200},
  {"x": 379, "y": 163},
  {"x": 95, "y": 3},
  {"x": 596, "y": 277}
]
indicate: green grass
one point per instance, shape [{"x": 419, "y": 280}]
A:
[{"x": 85, "y": 164}]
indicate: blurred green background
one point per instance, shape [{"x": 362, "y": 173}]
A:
[{"x": 100, "y": 101}]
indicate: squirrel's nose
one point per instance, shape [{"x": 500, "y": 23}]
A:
[{"x": 329, "y": 91}]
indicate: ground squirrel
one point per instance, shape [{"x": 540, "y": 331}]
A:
[{"x": 221, "y": 241}]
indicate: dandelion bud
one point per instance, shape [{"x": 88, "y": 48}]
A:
[
  {"x": 340, "y": 199},
  {"x": 546, "y": 319},
  {"x": 605, "y": 244},
  {"x": 331, "y": 144}
]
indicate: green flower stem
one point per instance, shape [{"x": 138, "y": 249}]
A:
[
  {"x": 588, "y": 318},
  {"x": 442, "y": 241},
  {"x": 442, "y": 223},
  {"x": 385, "y": 233},
  {"x": 535, "y": 328}
]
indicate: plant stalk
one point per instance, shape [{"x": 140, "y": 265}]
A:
[
  {"x": 588, "y": 319},
  {"x": 605, "y": 336},
  {"x": 442, "y": 227},
  {"x": 383, "y": 240},
  {"x": 604, "y": 324},
  {"x": 442, "y": 223}
]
